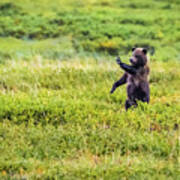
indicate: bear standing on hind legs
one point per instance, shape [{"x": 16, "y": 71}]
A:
[{"x": 136, "y": 77}]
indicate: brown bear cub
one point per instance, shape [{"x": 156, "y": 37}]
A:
[{"x": 136, "y": 77}]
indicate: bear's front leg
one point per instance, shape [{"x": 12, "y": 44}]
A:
[
  {"x": 129, "y": 69},
  {"x": 121, "y": 81}
]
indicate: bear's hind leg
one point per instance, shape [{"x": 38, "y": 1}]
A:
[{"x": 130, "y": 103}]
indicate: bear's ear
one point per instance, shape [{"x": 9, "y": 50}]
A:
[
  {"x": 133, "y": 49},
  {"x": 144, "y": 50}
]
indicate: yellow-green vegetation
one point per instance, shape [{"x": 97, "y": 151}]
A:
[
  {"x": 57, "y": 118},
  {"x": 62, "y": 29}
]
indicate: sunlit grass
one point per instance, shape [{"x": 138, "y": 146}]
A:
[
  {"x": 64, "y": 122},
  {"x": 57, "y": 66}
]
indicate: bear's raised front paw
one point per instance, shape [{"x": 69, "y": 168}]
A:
[{"x": 118, "y": 60}]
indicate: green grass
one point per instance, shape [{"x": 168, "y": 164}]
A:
[
  {"x": 58, "y": 120},
  {"x": 88, "y": 27},
  {"x": 57, "y": 117}
]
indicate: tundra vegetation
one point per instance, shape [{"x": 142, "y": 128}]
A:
[{"x": 57, "y": 66}]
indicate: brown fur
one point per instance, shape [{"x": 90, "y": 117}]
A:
[{"x": 136, "y": 77}]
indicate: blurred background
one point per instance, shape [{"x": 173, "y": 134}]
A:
[{"x": 62, "y": 29}]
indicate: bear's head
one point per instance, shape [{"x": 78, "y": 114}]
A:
[{"x": 139, "y": 57}]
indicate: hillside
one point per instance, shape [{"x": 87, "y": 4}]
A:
[{"x": 57, "y": 66}]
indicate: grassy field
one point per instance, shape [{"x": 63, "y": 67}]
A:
[{"x": 57, "y": 66}]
